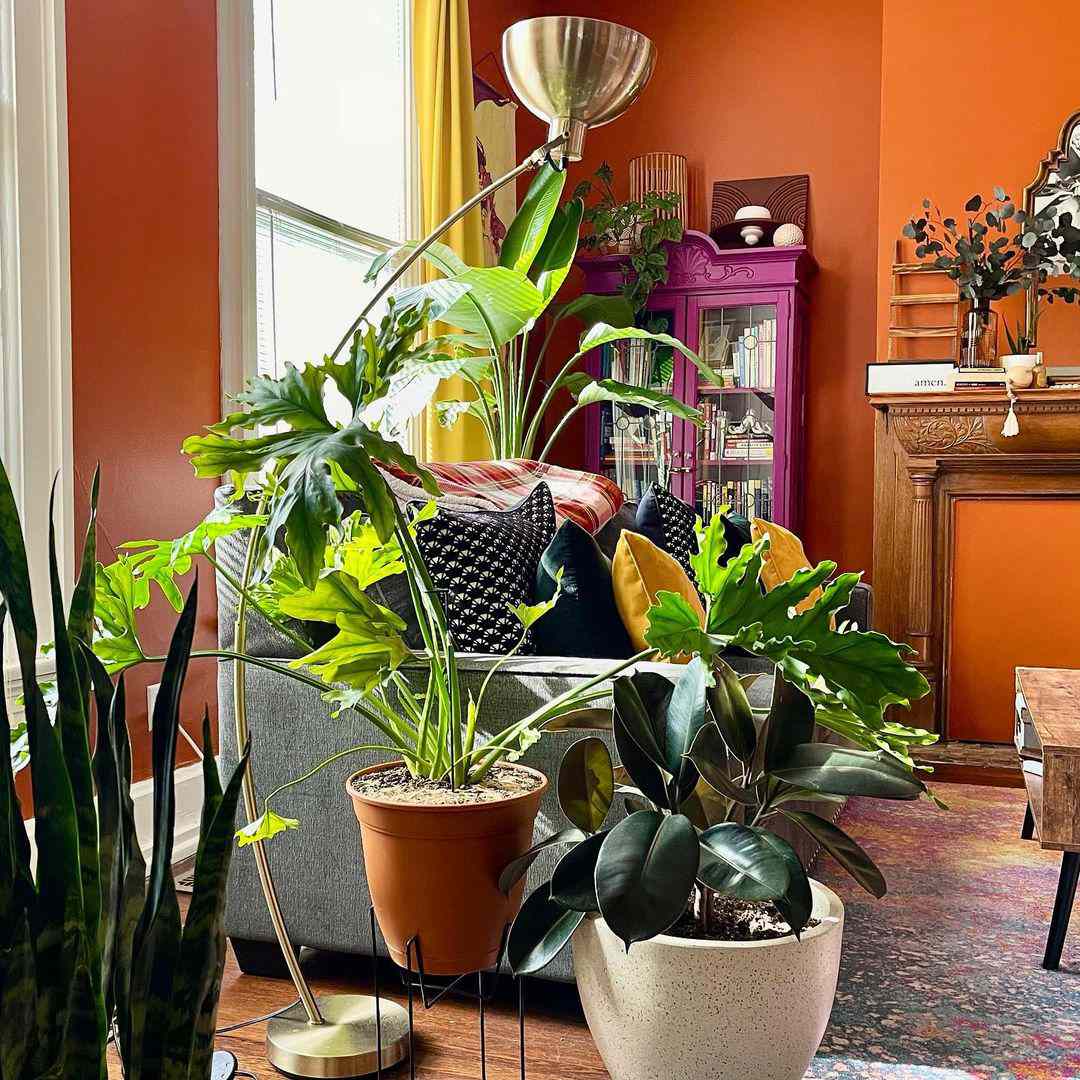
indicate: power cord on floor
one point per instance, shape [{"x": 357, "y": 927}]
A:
[{"x": 256, "y": 1019}]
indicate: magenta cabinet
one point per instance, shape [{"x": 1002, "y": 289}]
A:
[{"x": 744, "y": 312}]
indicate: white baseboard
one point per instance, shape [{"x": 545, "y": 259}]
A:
[{"x": 189, "y": 800}]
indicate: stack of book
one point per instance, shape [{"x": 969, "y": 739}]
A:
[
  {"x": 749, "y": 360},
  {"x": 721, "y": 438},
  {"x": 751, "y": 498},
  {"x": 979, "y": 378}
]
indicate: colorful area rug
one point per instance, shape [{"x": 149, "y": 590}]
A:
[{"x": 941, "y": 978}]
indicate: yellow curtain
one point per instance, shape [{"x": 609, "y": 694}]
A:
[{"x": 443, "y": 83}]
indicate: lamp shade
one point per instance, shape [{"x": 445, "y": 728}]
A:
[{"x": 576, "y": 73}]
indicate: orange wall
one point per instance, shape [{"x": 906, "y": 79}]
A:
[
  {"x": 142, "y": 155},
  {"x": 973, "y": 95}
]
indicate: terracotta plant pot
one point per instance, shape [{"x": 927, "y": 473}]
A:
[{"x": 433, "y": 872}]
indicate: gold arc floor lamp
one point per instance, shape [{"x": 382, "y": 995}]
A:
[{"x": 575, "y": 73}]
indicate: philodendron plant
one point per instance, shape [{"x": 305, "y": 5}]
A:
[
  {"x": 90, "y": 950},
  {"x": 498, "y": 309},
  {"x": 702, "y": 782}
]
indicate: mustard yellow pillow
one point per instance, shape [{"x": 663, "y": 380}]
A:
[
  {"x": 639, "y": 571},
  {"x": 784, "y": 557}
]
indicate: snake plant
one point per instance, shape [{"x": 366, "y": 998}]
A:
[{"x": 91, "y": 952}]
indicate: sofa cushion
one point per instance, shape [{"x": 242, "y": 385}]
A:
[
  {"x": 639, "y": 571},
  {"x": 784, "y": 558},
  {"x": 485, "y": 561},
  {"x": 585, "y": 621},
  {"x": 669, "y": 523}
]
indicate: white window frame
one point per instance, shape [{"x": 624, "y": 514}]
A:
[
  {"x": 239, "y": 199},
  {"x": 35, "y": 318}
]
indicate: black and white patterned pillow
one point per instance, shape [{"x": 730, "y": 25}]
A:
[
  {"x": 669, "y": 523},
  {"x": 481, "y": 561}
]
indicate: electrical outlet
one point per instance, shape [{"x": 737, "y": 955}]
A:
[{"x": 151, "y": 700}]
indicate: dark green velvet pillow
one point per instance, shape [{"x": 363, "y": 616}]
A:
[{"x": 585, "y": 621}]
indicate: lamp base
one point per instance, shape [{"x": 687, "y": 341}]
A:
[{"x": 345, "y": 1046}]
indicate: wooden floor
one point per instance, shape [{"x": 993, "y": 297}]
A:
[{"x": 448, "y": 1035}]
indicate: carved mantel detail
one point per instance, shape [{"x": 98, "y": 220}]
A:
[{"x": 931, "y": 450}]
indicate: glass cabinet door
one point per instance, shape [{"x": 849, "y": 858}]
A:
[
  {"x": 635, "y": 443},
  {"x": 734, "y": 451}
]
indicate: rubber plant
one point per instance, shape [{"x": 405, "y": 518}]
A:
[
  {"x": 89, "y": 950},
  {"x": 701, "y": 782},
  {"x": 498, "y": 315}
]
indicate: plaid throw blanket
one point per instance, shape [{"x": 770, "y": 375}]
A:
[{"x": 590, "y": 500}]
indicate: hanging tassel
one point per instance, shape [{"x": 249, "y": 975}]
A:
[{"x": 1011, "y": 427}]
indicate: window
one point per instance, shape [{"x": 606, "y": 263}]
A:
[
  {"x": 317, "y": 162},
  {"x": 35, "y": 354}
]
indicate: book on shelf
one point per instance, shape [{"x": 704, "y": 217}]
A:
[
  {"x": 748, "y": 361},
  {"x": 750, "y": 497}
]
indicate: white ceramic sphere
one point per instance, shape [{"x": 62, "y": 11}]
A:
[{"x": 788, "y": 235}]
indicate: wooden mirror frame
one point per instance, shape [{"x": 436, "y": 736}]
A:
[{"x": 1042, "y": 175}]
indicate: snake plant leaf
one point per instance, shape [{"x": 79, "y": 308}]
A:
[
  {"x": 838, "y": 770},
  {"x": 80, "y": 622},
  {"x": 604, "y": 334},
  {"x": 737, "y": 861},
  {"x": 556, "y": 255},
  {"x": 528, "y": 232},
  {"x": 157, "y": 940},
  {"x": 586, "y": 783},
  {"x": 842, "y": 848},
  {"x": 265, "y": 827},
  {"x": 17, "y": 990},
  {"x": 589, "y": 391},
  {"x": 197, "y": 981},
  {"x": 573, "y": 882},
  {"x": 540, "y": 932},
  {"x": 517, "y": 868},
  {"x": 645, "y": 872},
  {"x": 639, "y": 702},
  {"x": 797, "y": 902},
  {"x": 591, "y": 309},
  {"x": 709, "y": 752},
  {"x": 686, "y": 716}
]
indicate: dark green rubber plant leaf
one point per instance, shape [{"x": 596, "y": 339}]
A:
[
  {"x": 526, "y": 234},
  {"x": 842, "y": 848},
  {"x": 517, "y": 868},
  {"x": 640, "y": 703},
  {"x": 573, "y": 882},
  {"x": 797, "y": 902},
  {"x": 540, "y": 931},
  {"x": 790, "y": 723},
  {"x": 645, "y": 872},
  {"x": 731, "y": 710},
  {"x": 586, "y": 783},
  {"x": 710, "y": 754},
  {"x": 838, "y": 770},
  {"x": 736, "y": 860},
  {"x": 686, "y": 716}
]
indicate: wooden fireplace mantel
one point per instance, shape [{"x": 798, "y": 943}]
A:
[{"x": 930, "y": 450}]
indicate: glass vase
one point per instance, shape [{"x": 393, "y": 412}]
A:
[{"x": 979, "y": 341}]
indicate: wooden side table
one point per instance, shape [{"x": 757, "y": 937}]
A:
[{"x": 1048, "y": 705}]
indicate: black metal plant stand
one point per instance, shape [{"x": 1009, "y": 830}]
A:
[{"x": 415, "y": 981}]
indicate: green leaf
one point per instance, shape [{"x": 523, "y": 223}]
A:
[
  {"x": 838, "y": 770},
  {"x": 737, "y": 861},
  {"x": 528, "y": 231},
  {"x": 675, "y": 627},
  {"x": 731, "y": 710},
  {"x": 588, "y": 391},
  {"x": 789, "y": 725},
  {"x": 359, "y": 655},
  {"x": 517, "y": 868},
  {"x": 527, "y": 614},
  {"x": 592, "y": 309},
  {"x": 686, "y": 716},
  {"x": 265, "y": 827},
  {"x": 640, "y": 703},
  {"x": 797, "y": 902},
  {"x": 645, "y": 872},
  {"x": 499, "y": 304},
  {"x": 712, "y": 544},
  {"x": 117, "y": 597},
  {"x": 842, "y": 848},
  {"x": 709, "y": 754},
  {"x": 337, "y": 598},
  {"x": 586, "y": 783},
  {"x": 573, "y": 882},
  {"x": 556, "y": 256},
  {"x": 540, "y": 932}
]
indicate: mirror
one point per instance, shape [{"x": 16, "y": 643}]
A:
[{"x": 1057, "y": 332}]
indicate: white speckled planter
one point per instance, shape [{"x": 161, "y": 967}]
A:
[{"x": 677, "y": 1009}]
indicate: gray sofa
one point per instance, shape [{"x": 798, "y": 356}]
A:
[{"x": 319, "y": 869}]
